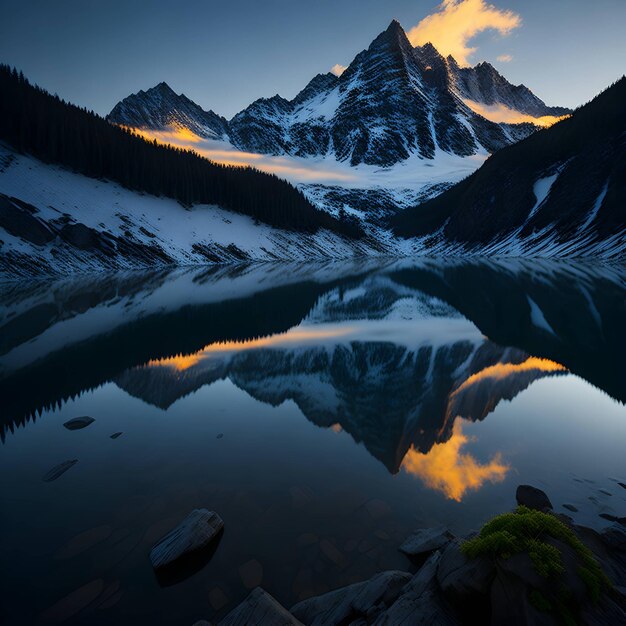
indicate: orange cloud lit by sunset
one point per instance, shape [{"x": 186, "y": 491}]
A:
[
  {"x": 456, "y": 22},
  {"x": 338, "y": 69},
  {"x": 220, "y": 152},
  {"x": 500, "y": 114},
  {"x": 445, "y": 468}
]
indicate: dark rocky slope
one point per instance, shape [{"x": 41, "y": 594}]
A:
[{"x": 565, "y": 183}]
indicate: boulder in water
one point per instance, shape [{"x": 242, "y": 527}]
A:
[
  {"x": 79, "y": 422},
  {"x": 195, "y": 532},
  {"x": 533, "y": 498}
]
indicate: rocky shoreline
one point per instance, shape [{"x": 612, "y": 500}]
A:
[{"x": 571, "y": 574}]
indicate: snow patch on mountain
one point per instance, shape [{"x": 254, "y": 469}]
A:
[
  {"x": 139, "y": 230},
  {"x": 541, "y": 189}
]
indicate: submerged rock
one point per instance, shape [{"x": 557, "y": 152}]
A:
[
  {"x": 195, "y": 532},
  {"x": 426, "y": 540},
  {"x": 533, "y": 498},
  {"x": 251, "y": 573},
  {"x": 73, "y": 603},
  {"x": 116, "y": 435},
  {"x": 613, "y": 518},
  {"x": 59, "y": 470},
  {"x": 262, "y": 609},
  {"x": 570, "y": 507},
  {"x": 79, "y": 422}
]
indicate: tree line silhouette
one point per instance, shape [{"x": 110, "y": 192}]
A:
[{"x": 54, "y": 131}]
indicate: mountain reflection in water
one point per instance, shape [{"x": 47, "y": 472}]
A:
[
  {"x": 393, "y": 355},
  {"x": 324, "y": 409}
]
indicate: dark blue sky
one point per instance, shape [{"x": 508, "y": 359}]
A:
[{"x": 224, "y": 55}]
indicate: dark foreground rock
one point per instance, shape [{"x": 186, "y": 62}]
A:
[
  {"x": 459, "y": 585},
  {"x": 533, "y": 498},
  {"x": 262, "y": 609},
  {"x": 426, "y": 540},
  {"x": 79, "y": 422},
  {"x": 348, "y": 604},
  {"x": 420, "y": 602},
  {"x": 464, "y": 582},
  {"x": 194, "y": 533}
]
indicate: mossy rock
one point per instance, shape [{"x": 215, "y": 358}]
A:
[{"x": 531, "y": 532}]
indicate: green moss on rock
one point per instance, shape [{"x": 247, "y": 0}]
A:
[{"x": 525, "y": 531}]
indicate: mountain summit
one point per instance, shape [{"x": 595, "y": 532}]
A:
[
  {"x": 161, "y": 108},
  {"x": 393, "y": 101}
]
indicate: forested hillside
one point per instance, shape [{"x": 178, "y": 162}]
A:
[{"x": 34, "y": 122}]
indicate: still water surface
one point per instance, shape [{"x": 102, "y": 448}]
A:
[{"x": 323, "y": 411}]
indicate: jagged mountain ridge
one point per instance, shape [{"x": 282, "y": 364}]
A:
[
  {"x": 484, "y": 84},
  {"x": 169, "y": 110},
  {"x": 562, "y": 187},
  {"x": 393, "y": 101}
]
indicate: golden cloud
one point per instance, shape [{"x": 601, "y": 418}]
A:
[
  {"x": 447, "y": 469},
  {"x": 456, "y": 22},
  {"x": 290, "y": 168},
  {"x": 501, "y": 114},
  {"x": 504, "y": 58}
]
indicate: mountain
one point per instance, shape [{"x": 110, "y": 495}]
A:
[
  {"x": 394, "y": 101},
  {"x": 100, "y": 175},
  {"x": 561, "y": 189},
  {"x": 160, "y": 108},
  {"x": 484, "y": 85}
]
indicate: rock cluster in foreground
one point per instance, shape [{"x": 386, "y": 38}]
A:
[{"x": 451, "y": 588}]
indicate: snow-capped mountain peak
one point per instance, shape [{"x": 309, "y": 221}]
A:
[
  {"x": 393, "y": 101},
  {"x": 161, "y": 108}
]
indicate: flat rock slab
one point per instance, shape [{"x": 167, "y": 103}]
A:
[
  {"x": 59, "y": 470},
  {"x": 426, "y": 540},
  {"x": 79, "y": 422},
  {"x": 262, "y": 609},
  {"x": 533, "y": 498},
  {"x": 195, "y": 532},
  {"x": 359, "y": 599},
  {"x": 419, "y": 602}
]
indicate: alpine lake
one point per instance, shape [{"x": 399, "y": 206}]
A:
[{"x": 324, "y": 411}]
